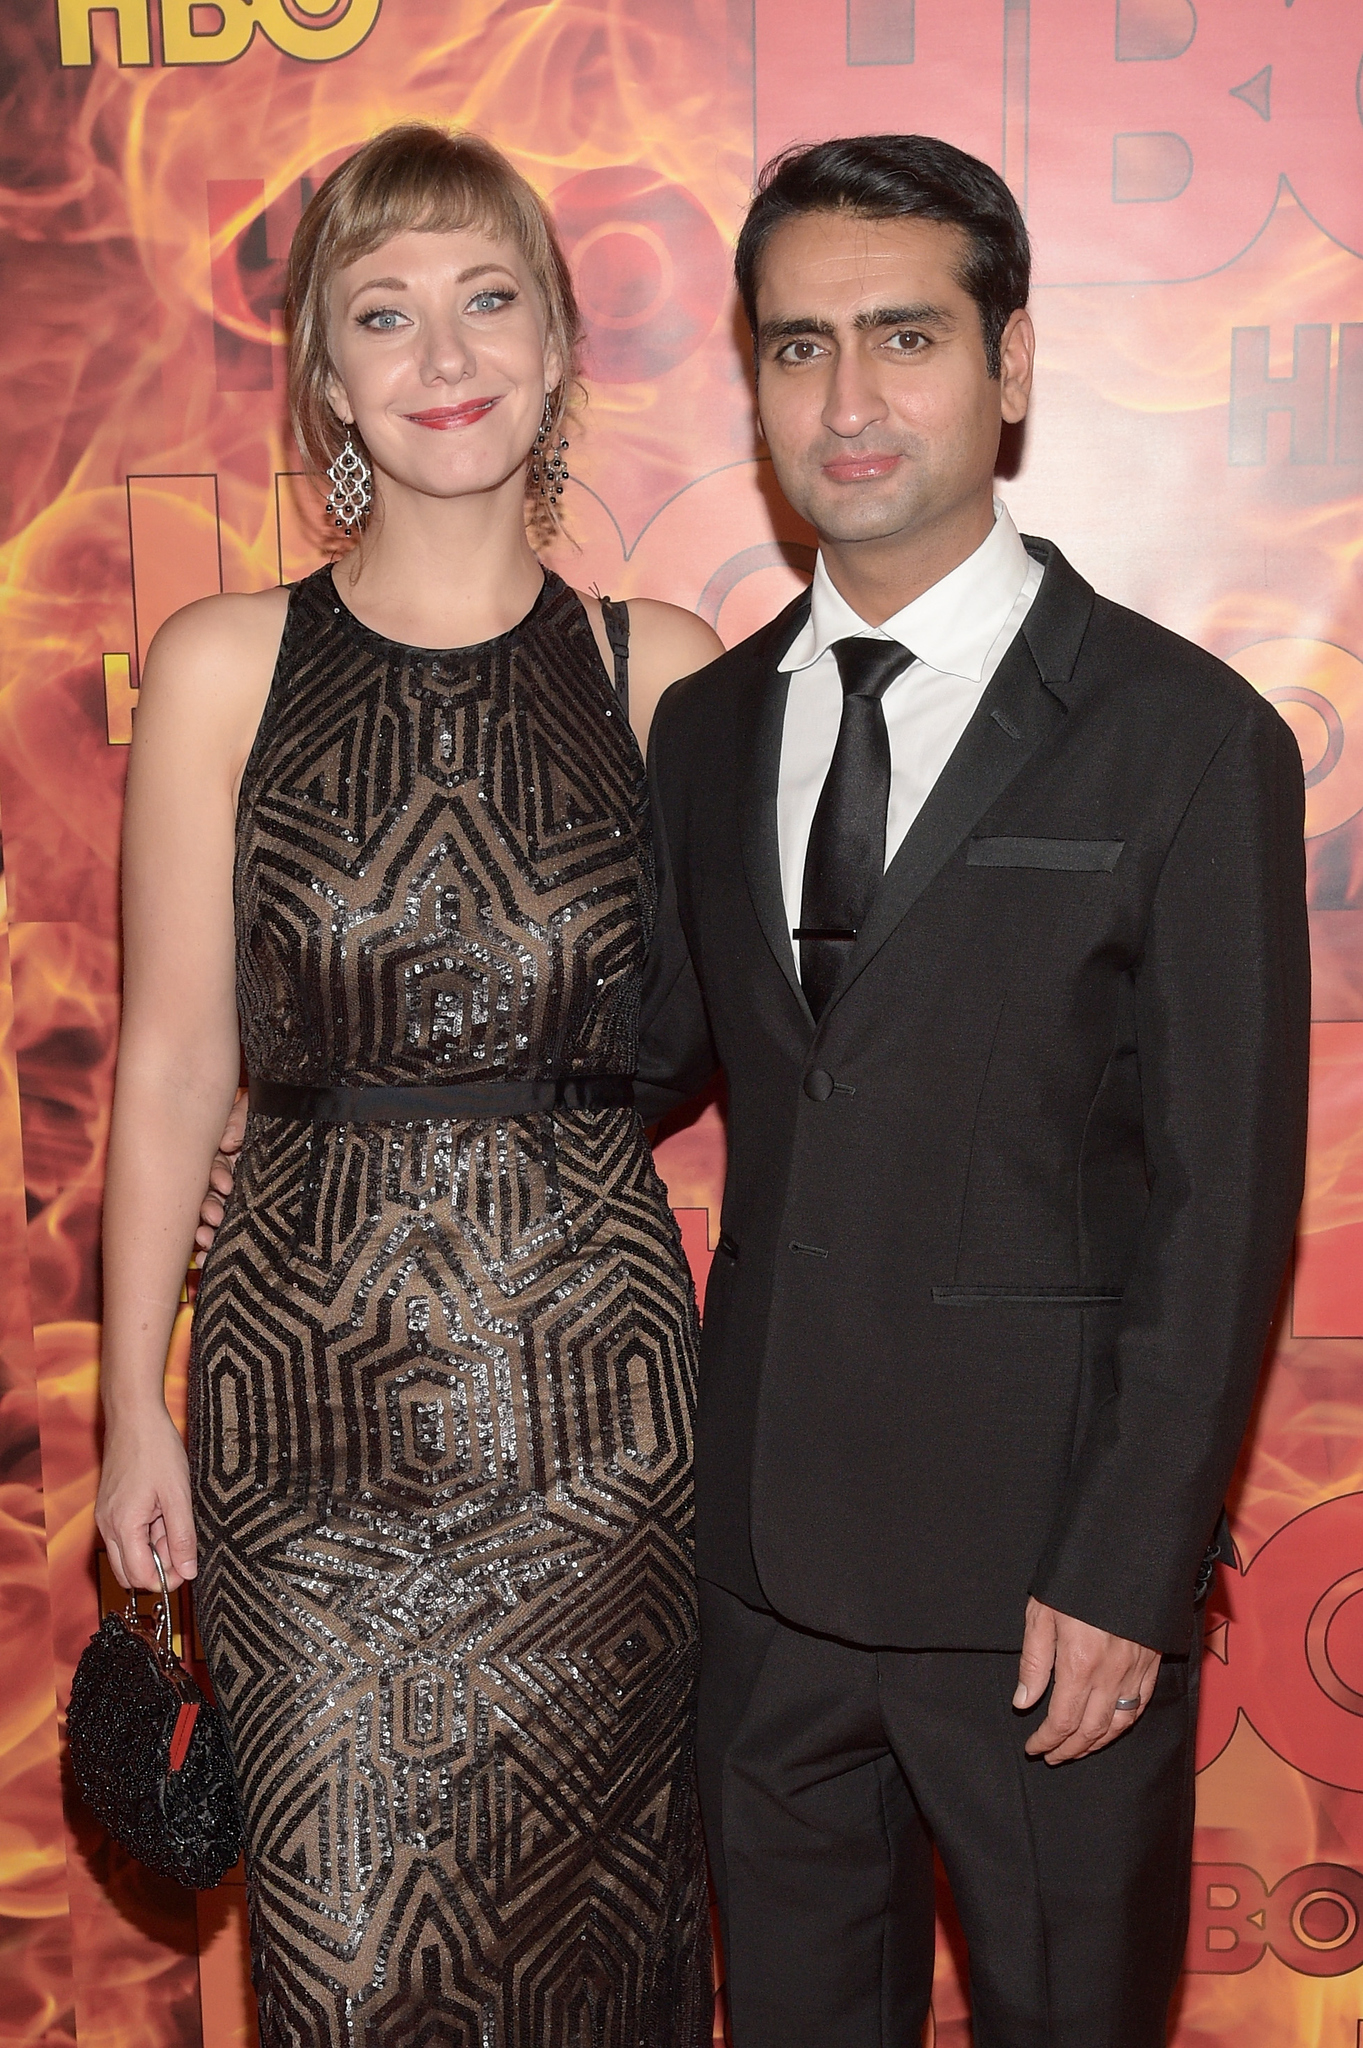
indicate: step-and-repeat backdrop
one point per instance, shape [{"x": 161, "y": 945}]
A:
[{"x": 1193, "y": 178}]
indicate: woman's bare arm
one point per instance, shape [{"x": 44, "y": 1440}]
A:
[{"x": 204, "y": 686}]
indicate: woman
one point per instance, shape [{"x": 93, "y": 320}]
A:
[{"x": 394, "y": 821}]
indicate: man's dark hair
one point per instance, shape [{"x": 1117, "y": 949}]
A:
[{"x": 898, "y": 177}]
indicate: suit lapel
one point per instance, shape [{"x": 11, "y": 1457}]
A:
[
  {"x": 758, "y": 775},
  {"x": 1023, "y": 704}
]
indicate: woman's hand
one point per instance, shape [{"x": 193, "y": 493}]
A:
[{"x": 144, "y": 1501}]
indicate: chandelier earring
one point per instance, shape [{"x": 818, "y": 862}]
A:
[
  {"x": 352, "y": 488},
  {"x": 548, "y": 470}
]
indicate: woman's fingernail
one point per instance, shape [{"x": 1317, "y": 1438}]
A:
[{"x": 1020, "y": 1696}]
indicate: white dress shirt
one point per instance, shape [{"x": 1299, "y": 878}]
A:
[{"x": 959, "y": 630}]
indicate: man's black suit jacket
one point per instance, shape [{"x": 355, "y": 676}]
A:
[{"x": 1003, "y": 1234}]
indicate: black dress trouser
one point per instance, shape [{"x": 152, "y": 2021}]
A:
[{"x": 827, "y": 1772}]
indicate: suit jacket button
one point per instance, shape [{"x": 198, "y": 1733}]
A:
[{"x": 818, "y": 1085}]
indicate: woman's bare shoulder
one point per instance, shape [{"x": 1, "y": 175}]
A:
[
  {"x": 665, "y": 642},
  {"x": 231, "y": 626},
  {"x": 660, "y": 634},
  {"x": 206, "y": 679},
  {"x": 671, "y": 628},
  {"x": 221, "y": 649},
  {"x": 667, "y": 636}
]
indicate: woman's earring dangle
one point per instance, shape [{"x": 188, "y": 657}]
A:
[
  {"x": 548, "y": 470},
  {"x": 352, "y": 489}
]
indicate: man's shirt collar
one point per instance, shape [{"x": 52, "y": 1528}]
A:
[{"x": 951, "y": 627}]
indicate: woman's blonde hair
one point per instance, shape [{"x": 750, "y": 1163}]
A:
[{"x": 415, "y": 176}]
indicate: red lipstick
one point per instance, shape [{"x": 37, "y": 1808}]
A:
[{"x": 442, "y": 417}]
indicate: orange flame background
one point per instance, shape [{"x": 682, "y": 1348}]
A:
[{"x": 1187, "y": 174}]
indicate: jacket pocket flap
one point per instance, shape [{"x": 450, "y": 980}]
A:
[
  {"x": 968, "y": 1297},
  {"x": 1087, "y": 855}
]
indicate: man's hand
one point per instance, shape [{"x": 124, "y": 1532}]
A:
[
  {"x": 220, "y": 1177},
  {"x": 1093, "y": 1670}
]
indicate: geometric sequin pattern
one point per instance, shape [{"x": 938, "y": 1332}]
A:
[{"x": 443, "y": 1375}]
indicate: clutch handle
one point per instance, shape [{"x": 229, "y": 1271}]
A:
[{"x": 163, "y": 1625}]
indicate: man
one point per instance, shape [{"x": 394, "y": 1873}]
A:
[{"x": 987, "y": 895}]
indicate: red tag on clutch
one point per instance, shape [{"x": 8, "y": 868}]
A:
[{"x": 184, "y": 1728}]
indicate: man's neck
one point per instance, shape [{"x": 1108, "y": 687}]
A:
[{"x": 877, "y": 578}]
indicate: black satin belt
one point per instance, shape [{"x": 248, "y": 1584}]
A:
[{"x": 445, "y": 1103}]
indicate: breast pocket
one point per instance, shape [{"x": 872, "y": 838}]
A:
[
  {"x": 1065, "y": 1297},
  {"x": 1082, "y": 856}
]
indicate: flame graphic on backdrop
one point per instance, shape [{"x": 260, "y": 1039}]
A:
[{"x": 140, "y": 389}]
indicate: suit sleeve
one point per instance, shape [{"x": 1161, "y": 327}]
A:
[
  {"x": 676, "y": 1050},
  {"x": 1222, "y": 1022}
]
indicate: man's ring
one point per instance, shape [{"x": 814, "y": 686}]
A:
[{"x": 1128, "y": 1706}]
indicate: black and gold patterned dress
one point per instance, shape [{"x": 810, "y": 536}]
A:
[{"x": 444, "y": 1368}]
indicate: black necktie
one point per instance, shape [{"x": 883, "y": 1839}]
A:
[{"x": 846, "y": 856}]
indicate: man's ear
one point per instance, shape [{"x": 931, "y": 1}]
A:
[{"x": 1017, "y": 354}]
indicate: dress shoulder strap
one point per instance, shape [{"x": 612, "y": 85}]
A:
[{"x": 616, "y": 618}]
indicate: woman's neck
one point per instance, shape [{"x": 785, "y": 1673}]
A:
[{"x": 451, "y": 572}]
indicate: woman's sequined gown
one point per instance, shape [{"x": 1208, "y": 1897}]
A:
[{"x": 443, "y": 1375}]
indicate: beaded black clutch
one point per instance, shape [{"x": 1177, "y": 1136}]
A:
[{"x": 149, "y": 1751}]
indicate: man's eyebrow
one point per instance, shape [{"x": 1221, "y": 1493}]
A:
[
  {"x": 921, "y": 315},
  {"x": 793, "y": 330},
  {"x": 903, "y": 316}
]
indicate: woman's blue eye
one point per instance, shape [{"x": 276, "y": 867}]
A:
[
  {"x": 384, "y": 318},
  {"x": 489, "y": 301}
]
